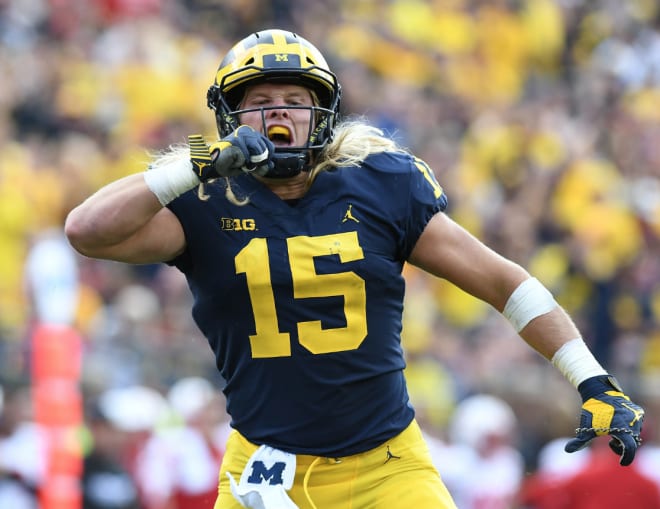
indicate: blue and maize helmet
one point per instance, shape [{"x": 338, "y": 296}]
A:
[{"x": 285, "y": 57}]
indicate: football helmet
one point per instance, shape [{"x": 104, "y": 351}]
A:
[{"x": 277, "y": 56}]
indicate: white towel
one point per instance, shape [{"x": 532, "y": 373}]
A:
[{"x": 265, "y": 479}]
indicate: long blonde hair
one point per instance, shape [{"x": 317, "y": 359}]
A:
[{"x": 353, "y": 142}]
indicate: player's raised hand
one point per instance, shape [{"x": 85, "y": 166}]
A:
[
  {"x": 606, "y": 410},
  {"x": 244, "y": 150}
]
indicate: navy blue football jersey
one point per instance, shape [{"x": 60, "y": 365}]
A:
[{"x": 301, "y": 303}]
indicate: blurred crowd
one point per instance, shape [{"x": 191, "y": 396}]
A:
[{"x": 541, "y": 119}]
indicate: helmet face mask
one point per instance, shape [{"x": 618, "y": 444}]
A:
[{"x": 276, "y": 56}]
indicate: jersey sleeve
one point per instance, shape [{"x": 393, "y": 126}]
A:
[
  {"x": 427, "y": 198},
  {"x": 181, "y": 207}
]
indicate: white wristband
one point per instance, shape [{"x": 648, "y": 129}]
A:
[
  {"x": 171, "y": 179},
  {"x": 529, "y": 300},
  {"x": 576, "y": 362}
]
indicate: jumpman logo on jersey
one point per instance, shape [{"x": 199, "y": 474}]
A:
[
  {"x": 349, "y": 215},
  {"x": 637, "y": 413}
]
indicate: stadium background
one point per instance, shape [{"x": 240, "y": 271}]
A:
[{"x": 540, "y": 118}]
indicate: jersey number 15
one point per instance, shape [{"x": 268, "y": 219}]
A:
[{"x": 253, "y": 261}]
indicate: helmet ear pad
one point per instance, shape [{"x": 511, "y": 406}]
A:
[{"x": 225, "y": 121}]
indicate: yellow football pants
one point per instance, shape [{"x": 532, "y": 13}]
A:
[{"x": 398, "y": 474}]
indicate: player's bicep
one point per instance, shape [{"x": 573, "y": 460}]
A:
[
  {"x": 447, "y": 250},
  {"x": 161, "y": 239}
]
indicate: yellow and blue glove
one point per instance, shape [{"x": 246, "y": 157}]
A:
[
  {"x": 243, "y": 151},
  {"x": 606, "y": 410}
]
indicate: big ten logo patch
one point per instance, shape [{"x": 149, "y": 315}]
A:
[{"x": 237, "y": 225}]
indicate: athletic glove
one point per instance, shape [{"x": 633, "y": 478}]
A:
[
  {"x": 606, "y": 410},
  {"x": 244, "y": 150}
]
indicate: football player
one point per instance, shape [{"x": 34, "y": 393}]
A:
[{"x": 292, "y": 230}]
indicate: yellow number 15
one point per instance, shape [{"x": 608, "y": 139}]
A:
[{"x": 268, "y": 341}]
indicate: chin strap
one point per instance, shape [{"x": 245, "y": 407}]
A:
[{"x": 288, "y": 164}]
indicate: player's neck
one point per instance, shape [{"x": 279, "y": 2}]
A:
[{"x": 290, "y": 188}]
